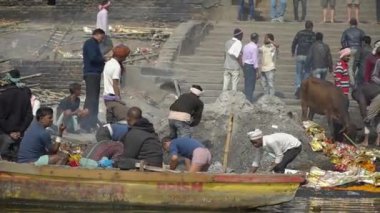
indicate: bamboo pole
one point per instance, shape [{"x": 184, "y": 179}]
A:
[{"x": 228, "y": 142}]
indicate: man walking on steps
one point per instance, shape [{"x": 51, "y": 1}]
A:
[
  {"x": 278, "y": 11},
  {"x": 300, "y": 48},
  {"x": 304, "y": 6}
]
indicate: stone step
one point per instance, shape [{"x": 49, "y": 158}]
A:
[
  {"x": 314, "y": 10},
  {"x": 197, "y": 67},
  {"x": 217, "y": 52}
]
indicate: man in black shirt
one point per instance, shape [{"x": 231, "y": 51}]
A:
[
  {"x": 319, "y": 59},
  {"x": 141, "y": 143},
  {"x": 186, "y": 112},
  {"x": 15, "y": 112},
  {"x": 300, "y": 48},
  {"x": 93, "y": 64}
]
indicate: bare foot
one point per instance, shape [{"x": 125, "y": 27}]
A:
[
  {"x": 364, "y": 143},
  {"x": 332, "y": 21}
]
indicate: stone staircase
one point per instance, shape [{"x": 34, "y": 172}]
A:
[
  {"x": 314, "y": 10},
  {"x": 205, "y": 66}
]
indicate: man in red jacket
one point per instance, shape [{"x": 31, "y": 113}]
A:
[
  {"x": 371, "y": 62},
  {"x": 341, "y": 74}
]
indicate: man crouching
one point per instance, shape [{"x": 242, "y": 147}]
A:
[
  {"x": 285, "y": 148},
  {"x": 36, "y": 145},
  {"x": 198, "y": 157}
]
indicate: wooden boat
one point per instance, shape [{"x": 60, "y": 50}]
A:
[{"x": 116, "y": 188}]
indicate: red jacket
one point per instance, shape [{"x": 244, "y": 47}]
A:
[
  {"x": 369, "y": 66},
  {"x": 342, "y": 77}
]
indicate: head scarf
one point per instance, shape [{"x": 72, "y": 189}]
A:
[
  {"x": 196, "y": 91},
  {"x": 377, "y": 45},
  {"x": 13, "y": 80},
  {"x": 237, "y": 32},
  {"x": 344, "y": 52},
  {"x": 254, "y": 135},
  {"x": 104, "y": 6}
]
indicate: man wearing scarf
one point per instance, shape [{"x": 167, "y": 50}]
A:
[
  {"x": 112, "y": 73},
  {"x": 15, "y": 114},
  {"x": 233, "y": 60},
  {"x": 186, "y": 112},
  {"x": 102, "y": 23}
]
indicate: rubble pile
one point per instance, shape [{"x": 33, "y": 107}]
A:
[{"x": 269, "y": 114}]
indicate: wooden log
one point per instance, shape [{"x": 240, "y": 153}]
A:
[
  {"x": 143, "y": 167},
  {"x": 228, "y": 142},
  {"x": 31, "y": 76}
]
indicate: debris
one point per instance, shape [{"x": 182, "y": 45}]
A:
[
  {"x": 344, "y": 157},
  {"x": 318, "y": 178}
]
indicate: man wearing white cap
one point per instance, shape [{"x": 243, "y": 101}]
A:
[
  {"x": 186, "y": 112},
  {"x": 284, "y": 147}
]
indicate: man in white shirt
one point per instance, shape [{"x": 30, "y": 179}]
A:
[
  {"x": 113, "y": 70},
  {"x": 102, "y": 23},
  {"x": 284, "y": 147},
  {"x": 232, "y": 62}
]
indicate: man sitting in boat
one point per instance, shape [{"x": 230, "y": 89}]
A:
[
  {"x": 68, "y": 110},
  {"x": 37, "y": 146},
  {"x": 191, "y": 149},
  {"x": 285, "y": 148},
  {"x": 141, "y": 143},
  {"x": 15, "y": 113}
]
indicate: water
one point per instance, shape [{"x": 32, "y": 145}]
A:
[{"x": 299, "y": 204}]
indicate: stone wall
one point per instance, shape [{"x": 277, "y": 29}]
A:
[
  {"x": 44, "y": 2},
  {"x": 56, "y": 75}
]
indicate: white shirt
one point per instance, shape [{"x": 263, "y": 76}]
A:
[
  {"x": 112, "y": 71},
  {"x": 268, "y": 58},
  {"x": 102, "y": 20},
  {"x": 276, "y": 144},
  {"x": 236, "y": 48}
]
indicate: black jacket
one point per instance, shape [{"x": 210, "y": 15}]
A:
[
  {"x": 142, "y": 143},
  {"x": 189, "y": 103},
  {"x": 352, "y": 37},
  {"x": 15, "y": 109},
  {"x": 302, "y": 42},
  {"x": 319, "y": 56},
  {"x": 93, "y": 60}
]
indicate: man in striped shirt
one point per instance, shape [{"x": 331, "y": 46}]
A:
[{"x": 341, "y": 74}]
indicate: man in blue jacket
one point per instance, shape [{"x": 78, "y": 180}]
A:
[{"x": 93, "y": 62}]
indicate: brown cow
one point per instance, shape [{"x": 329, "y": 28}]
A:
[{"x": 323, "y": 98}]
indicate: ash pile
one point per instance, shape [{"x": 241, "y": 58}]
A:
[{"x": 269, "y": 114}]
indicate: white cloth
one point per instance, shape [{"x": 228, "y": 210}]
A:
[
  {"x": 196, "y": 91},
  {"x": 254, "y": 135},
  {"x": 112, "y": 71},
  {"x": 268, "y": 57},
  {"x": 276, "y": 144},
  {"x": 102, "y": 20},
  {"x": 236, "y": 48},
  {"x": 36, "y": 104}
]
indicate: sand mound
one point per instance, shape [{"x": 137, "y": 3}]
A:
[{"x": 269, "y": 114}]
